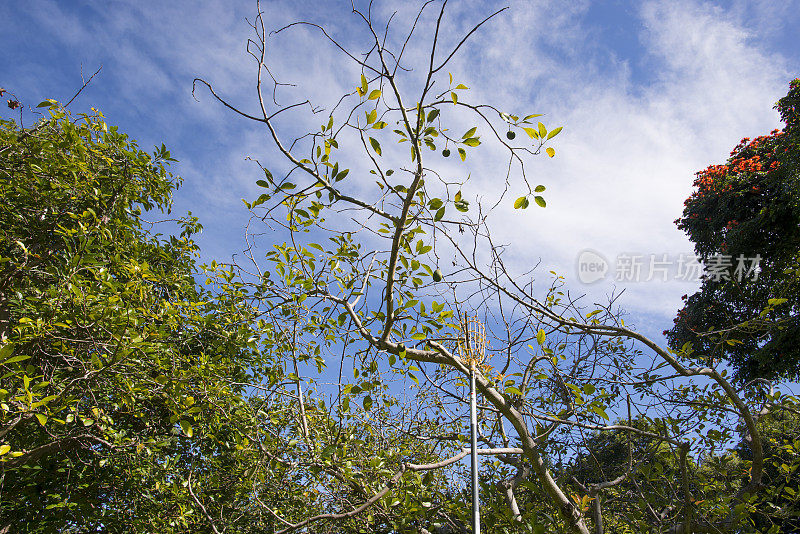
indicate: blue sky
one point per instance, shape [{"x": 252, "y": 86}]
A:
[{"x": 648, "y": 94}]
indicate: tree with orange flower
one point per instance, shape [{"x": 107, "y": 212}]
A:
[{"x": 747, "y": 210}]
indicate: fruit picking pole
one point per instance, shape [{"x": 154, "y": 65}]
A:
[
  {"x": 472, "y": 348},
  {"x": 473, "y": 427}
]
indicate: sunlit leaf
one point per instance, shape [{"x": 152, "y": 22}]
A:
[
  {"x": 533, "y": 134},
  {"x": 540, "y": 336},
  {"x": 186, "y": 426},
  {"x": 554, "y": 132}
]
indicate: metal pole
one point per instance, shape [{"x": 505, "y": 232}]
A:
[{"x": 473, "y": 424}]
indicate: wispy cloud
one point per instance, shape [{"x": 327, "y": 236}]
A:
[
  {"x": 640, "y": 117},
  {"x": 627, "y": 156}
]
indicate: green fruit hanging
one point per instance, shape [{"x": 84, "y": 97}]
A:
[
  {"x": 437, "y": 275},
  {"x": 510, "y": 134},
  {"x": 446, "y": 152}
]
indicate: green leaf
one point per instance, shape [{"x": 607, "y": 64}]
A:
[
  {"x": 550, "y": 151},
  {"x": 376, "y": 146},
  {"x": 539, "y": 189},
  {"x": 554, "y": 132},
  {"x": 364, "y": 85},
  {"x": 599, "y": 411},
  {"x": 540, "y": 336},
  {"x": 529, "y": 117},
  {"x": 542, "y": 130},
  {"x": 776, "y": 302},
  {"x": 533, "y": 134},
  {"x": 186, "y": 426},
  {"x": 367, "y": 403},
  {"x": 472, "y": 141},
  {"x": 433, "y": 114},
  {"x": 470, "y": 132},
  {"x": 6, "y": 351},
  {"x": 4, "y": 449},
  {"x": 461, "y": 86},
  {"x": 41, "y": 418},
  {"x": 540, "y": 201},
  {"x": 376, "y": 93},
  {"x": 589, "y": 389},
  {"x": 439, "y": 214},
  {"x": 454, "y": 96},
  {"x": 19, "y": 358},
  {"x": 257, "y": 202},
  {"x": 262, "y": 183},
  {"x": 521, "y": 203},
  {"x": 462, "y": 154}
]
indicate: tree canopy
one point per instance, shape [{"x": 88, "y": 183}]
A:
[
  {"x": 120, "y": 375},
  {"x": 748, "y": 208}
]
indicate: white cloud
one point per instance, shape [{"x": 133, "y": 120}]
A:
[
  {"x": 630, "y": 147},
  {"x": 625, "y": 160},
  {"x": 627, "y": 156}
]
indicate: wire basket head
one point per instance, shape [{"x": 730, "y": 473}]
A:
[{"x": 472, "y": 342}]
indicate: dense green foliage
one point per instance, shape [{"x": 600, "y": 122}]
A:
[
  {"x": 714, "y": 478},
  {"x": 749, "y": 207},
  {"x": 118, "y": 372},
  {"x": 778, "y": 508}
]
